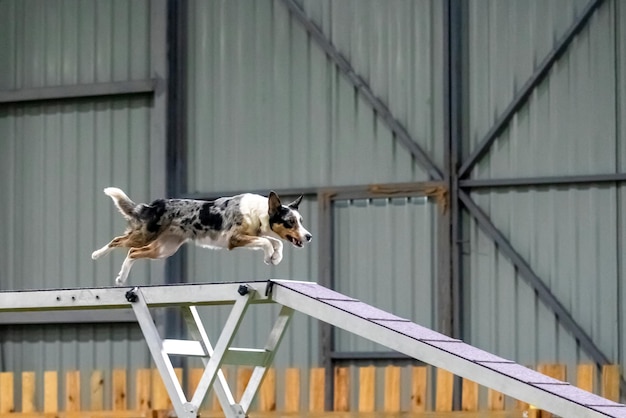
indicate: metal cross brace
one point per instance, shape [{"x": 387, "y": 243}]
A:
[{"x": 212, "y": 357}]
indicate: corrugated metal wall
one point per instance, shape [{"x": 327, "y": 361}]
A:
[
  {"x": 56, "y": 157},
  {"x": 572, "y": 236},
  {"x": 565, "y": 128},
  {"x": 66, "y": 42},
  {"x": 385, "y": 255},
  {"x": 262, "y": 94},
  {"x": 620, "y": 48}
]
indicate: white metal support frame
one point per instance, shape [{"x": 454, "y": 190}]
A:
[
  {"x": 316, "y": 301},
  {"x": 213, "y": 358}
]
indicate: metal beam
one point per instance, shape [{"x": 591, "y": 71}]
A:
[
  {"x": 66, "y": 317},
  {"x": 524, "y": 93},
  {"x": 589, "y": 179},
  {"x": 357, "y": 191},
  {"x": 528, "y": 274},
  {"x": 77, "y": 91},
  {"x": 176, "y": 141},
  {"x": 363, "y": 87},
  {"x": 450, "y": 221}
]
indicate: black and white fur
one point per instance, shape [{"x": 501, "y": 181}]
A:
[{"x": 158, "y": 229}]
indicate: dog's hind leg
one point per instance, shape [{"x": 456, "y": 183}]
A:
[
  {"x": 162, "y": 247},
  {"x": 102, "y": 251},
  {"x": 121, "y": 241},
  {"x": 126, "y": 265}
]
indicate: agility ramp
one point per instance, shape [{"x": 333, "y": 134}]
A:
[{"x": 316, "y": 301}]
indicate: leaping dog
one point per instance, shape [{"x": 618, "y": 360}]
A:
[{"x": 158, "y": 229}]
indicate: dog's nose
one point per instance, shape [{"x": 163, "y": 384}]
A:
[{"x": 308, "y": 237}]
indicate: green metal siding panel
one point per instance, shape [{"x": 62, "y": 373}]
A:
[
  {"x": 269, "y": 110},
  {"x": 385, "y": 256},
  {"x": 565, "y": 127},
  {"x": 66, "y": 42},
  {"x": 569, "y": 239},
  {"x": 59, "y": 158}
]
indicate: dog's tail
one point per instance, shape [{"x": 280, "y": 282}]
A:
[{"x": 127, "y": 207}]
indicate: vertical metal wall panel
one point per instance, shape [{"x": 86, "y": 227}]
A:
[
  {"x": 563, "y": 128},
  {"x": 385, "y": 256},
  {"x": 620, "y": 49},
  {"x": 300, "y": 345},
  {"x": 268, "y": 108},
  {"x": 66, "y": 42},
  {"x": 56, "y": 159},
  {"x": 569, "y": 238},
  {"x": 395, "y": 47}
]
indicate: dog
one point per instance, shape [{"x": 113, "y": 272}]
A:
[{"x": 157, "y": 230}]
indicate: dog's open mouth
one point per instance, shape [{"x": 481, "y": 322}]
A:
[{"x": 294, "y": 241}]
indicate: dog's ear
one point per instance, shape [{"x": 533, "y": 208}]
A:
[
  {"x": 296, "y": 203},
  {"x": 273, "y": 203}
]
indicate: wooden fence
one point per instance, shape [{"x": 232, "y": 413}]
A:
[{"x": 385, "y": 390}]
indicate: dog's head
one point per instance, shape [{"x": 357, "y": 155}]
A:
[{"x": 286, "y": 221}]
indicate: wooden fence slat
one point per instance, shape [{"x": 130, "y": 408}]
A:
[
  {"x": 392, "y": 389},
  {"x": 495, "y": 400},
  {"x": 160, "y": 398},
  {"x": 316, "y": 389},
  {"x": 419, "y": 379},
  {"x": 342, "y": 389},
  {"x": 610, "y": 382},
  {"x": 72, "y": 391},
  {"x": 445, "y": 385},
  {"x": 469, "y": 395},
  {"x": 586, "y": 377},
  {"x": 243, "y": 377},
  {"x": 96, "y": 390},
  {"x": 292, "y": 390},
  {"x": 193, "y": 379},
  {"x": 120, "y": 402},
  {"x": 267, "y": 395},
  {"x": 557, "y": 371},
  {"x": 28, "y": 392},
  {"x": 7, "y": 403},
  {"x": 367, "y": 389},
  {"x": 50, "y": 391},
  {"x": 143, "y": 388}
]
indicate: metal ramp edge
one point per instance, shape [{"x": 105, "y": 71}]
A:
[{"x": 441, "y": 351}]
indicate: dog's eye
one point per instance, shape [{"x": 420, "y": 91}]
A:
[{"x": 288, "y": 224}]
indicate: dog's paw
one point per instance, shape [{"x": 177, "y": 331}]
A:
[
  {"x": 119, "y": 281},
  {"x": 276, "y": 257},
  {"x": 95, "y": 255}
]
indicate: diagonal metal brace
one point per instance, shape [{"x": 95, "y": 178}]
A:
[{"x": 161, "y": 357}]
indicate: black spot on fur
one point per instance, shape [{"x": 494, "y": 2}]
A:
[
  {"x": 152, "y": 214},
  {"x": 210, "y": 217},
  {"x": 197, "y": 225}
]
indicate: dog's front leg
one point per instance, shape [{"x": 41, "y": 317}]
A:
[
  {"x": 278, "y": 250},
  {"x": 256, "y": 243}
]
